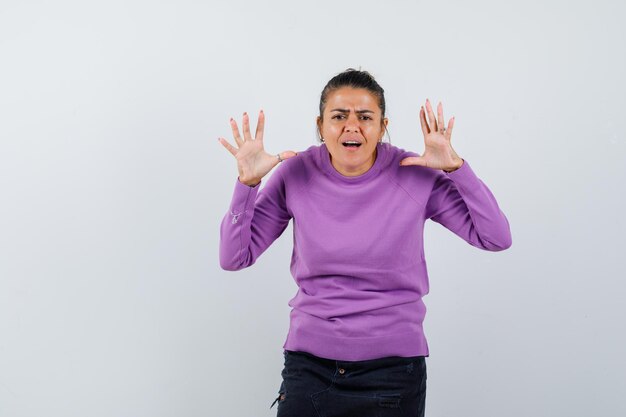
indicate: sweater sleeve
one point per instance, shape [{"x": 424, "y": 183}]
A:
[
  {"x": 462, "y": 203},
  {"x": 255, "y": 219}
]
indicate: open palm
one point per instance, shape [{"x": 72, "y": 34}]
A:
[
  {"x": 438, "y": 152},
  {"x": 253, "y": 162}
]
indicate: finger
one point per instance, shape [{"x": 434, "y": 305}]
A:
[
  {"x": 233, "y": 126},
  {"x": 246, "y": 127},
  {"x": 441, "y": 122},
  {"x": 450, "y": 126},
  {"x": 228, "y": 146},
  {"x": 287, "y": 154},
  {"x": 414, "y": 160},
  {"x": 260, "y": 126},
  {"x": 431, "y": 117},
  {"x": 423, "y": 121}
]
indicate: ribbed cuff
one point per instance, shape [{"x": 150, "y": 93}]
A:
[
  {"x": 243, "y": 197},
  {"x": 464, "y": 177}
]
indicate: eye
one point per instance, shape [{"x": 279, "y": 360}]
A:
[{"x": 342, "y": 116}]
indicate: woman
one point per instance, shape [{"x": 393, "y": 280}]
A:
[{"x": 355, "y": 345}]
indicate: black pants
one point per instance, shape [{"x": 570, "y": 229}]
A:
[{"x": 319, "y": 387}]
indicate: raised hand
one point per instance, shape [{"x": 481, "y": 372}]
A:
[
  {"x": 253, "y": 162},
  {"x": 438, "y": 152}
]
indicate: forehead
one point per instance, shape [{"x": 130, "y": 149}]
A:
[{"x": 347, "y": 97}]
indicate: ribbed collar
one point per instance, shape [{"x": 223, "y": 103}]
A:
[{"x": 382, "y": 150}]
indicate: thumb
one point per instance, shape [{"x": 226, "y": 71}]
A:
[
  {"x": 414, "y": 160},
  {"x": 287, "y": 154}
]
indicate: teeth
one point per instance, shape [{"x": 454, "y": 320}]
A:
[{"x": 353, "y": 142}]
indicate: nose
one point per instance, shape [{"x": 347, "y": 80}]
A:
[{"x": 352, "y": 123}]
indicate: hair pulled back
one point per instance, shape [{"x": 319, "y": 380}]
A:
[{"x": 355, "y": 79}]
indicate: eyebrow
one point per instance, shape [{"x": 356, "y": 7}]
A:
[{"x": 348, "y": 111}]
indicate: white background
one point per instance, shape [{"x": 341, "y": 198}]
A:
[{"x": 113, "y": 186}]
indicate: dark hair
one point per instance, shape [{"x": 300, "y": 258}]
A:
[{"x": 355, "y": 79}]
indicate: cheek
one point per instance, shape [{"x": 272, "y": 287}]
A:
[
  {"x": 372, "y": 133},
  {"x": 331, "y": 130}
]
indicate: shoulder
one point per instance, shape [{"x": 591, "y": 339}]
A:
[
  {"x": 303, "y": 158},
  {"x": 302, "y": 166},
  {"x": 415, "y": 180},
  {"x": 395, "y": 170}
]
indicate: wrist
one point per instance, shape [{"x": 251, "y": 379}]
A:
[
  {"x": 249, "y": 183},
  {"x": 455, "y": 168}
]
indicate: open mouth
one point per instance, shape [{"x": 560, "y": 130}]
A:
[{"x": 351, "y": 144}]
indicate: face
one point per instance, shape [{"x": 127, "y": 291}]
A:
[{"x": 352, "y": 115}]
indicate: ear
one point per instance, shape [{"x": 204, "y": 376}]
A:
[
  {"x": 385, "y": 121},
  {"x": 318, "y": 121}
]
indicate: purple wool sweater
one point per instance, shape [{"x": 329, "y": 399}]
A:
[{"x": 358, "y": 254}]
